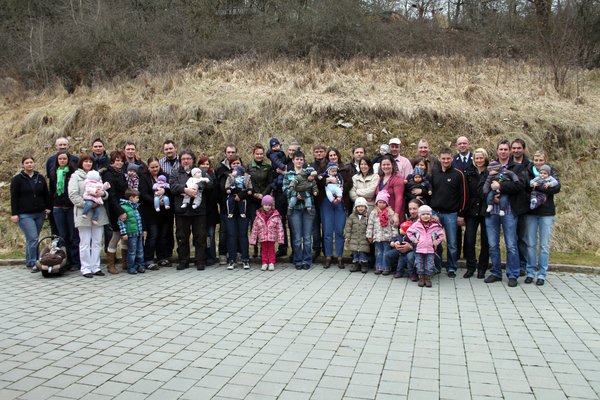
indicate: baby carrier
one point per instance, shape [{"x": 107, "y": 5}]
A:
[{"x": 52, "y": 258}]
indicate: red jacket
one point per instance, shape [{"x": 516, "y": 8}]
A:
[{"x": 267, "y": 229}]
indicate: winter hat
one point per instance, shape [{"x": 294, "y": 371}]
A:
[
  {"x": 132, "y": 167},
  {"x": 360, "y": 201},
  {"x": 385, "y": 148},
  {"x": 162, "y": 178},
  {"x": 494, "y": 166},
  {"x": 383, "y": 196},
  {"x": 273, "y": 142},
  {"x": 240, "y": 170},
  {"x": 310, "y": 170},
  {"x": 546, "y": 168},
  {"x": 196, "y": 171},
  {"x": 405, "y": 225},
  {"x": 418, "y": 171},
  {"x": 93, "y": 175},
  {"x": 267, "y": 201},
  {"x": 425, "y": 210},
  {"x": 331, "y": 165}
]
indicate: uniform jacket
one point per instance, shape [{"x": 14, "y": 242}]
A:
[
  {"x": 426, "y": 238},
  {"x": 267, "y": 229}
]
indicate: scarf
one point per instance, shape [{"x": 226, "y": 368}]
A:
[
  {"x": 384, "y": 217},
  {"x": 61, "y": 172}
]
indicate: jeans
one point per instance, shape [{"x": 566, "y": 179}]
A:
[
  {"x": 472, "y": 225},
  {"x": 544, "y": 225},
  {"x": 165, "y": 200},
  {"x": 301, "y": 223},
  {"x": 211, "y": 250},
  {"x": 360, "y": 257},
  {"x": 333, "y": 219},
  {"x": 135, "y": 252},
  {"x": 380, "y": 249},
  {"x": 31, "y": 225},
  {"x": 448, "y": 221},
  {"x": 90, "y": 245},
  {"x": 64, "y": 218},
  {"x": 424, "y": 263},
  {"x": 281, "y": 206},
  {"x": 237, "y": 238},
  {"x": 402, "y": 261},
  {"x": 88, "y": 205},
  {"x": 509, "y": 227}
]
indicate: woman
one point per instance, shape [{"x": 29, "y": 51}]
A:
[
  {"x": 237, "y": 225},
  {"x": 212, "y": 210},
  {"x": 261, "y": 175},
  {"x": 391, "y": 181},
  {"x": 475, "y": 216},
  {"x": 300, "y": 219},
  {"x": 62, "y": 207},
  {"x": 333, "y": 216},
  {"x": 30, "y": 203},
  {"x": 90, "y": 235},
  {"x": 540, "y": 223},
  {"x": 115, "y": 175},
  {"x": 364, "y": 183},
  {"x": 155, "y": 222}
]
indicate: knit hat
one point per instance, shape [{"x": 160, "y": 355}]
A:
[
  {"x": 93, "y": 175},
  {"x": 162, "y": 178},
  {"x": 240, "y": 170},
  {"x": 309, "y": 170},
  {"x": 418, "y": 171},
  {"x": 383, "y": 196},
  {"x": 267, "y": 201},
  {"x": 425, "y": 210},
  {"x": 133, "y": 167},
  {"x": 546, "y": 168},
  {"x": 494, "y": 166},
  {"x": 331, "y": 165},
  {"x": 384, "y": 147},
  {"x": 405, "y": 225},
  {"x": 196, "y": 171},
  {"x": 360, "y": 201},
  {"x": 273, "y": 142}
]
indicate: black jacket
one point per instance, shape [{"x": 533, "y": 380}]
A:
[
  {"x": 29, "y": 195},
  {"x": 147, "y": 210},
  {"x": 517, "y": 196},
  {"x": 118, "y": 185},
  {"x": 177, "y": 180},
  {"x": 476, "y": 204},
  {"x": 548, "y": 208},
  {"x": 62, "y": 200},
  {"x": 449, "y": 191}
]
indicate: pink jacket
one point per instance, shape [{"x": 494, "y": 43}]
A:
[
  {"x": 426, "y": 238},
  {"x": 267, "y": 229},
  {"x": 90, "y": 190}
]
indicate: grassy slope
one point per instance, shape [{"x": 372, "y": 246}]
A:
[{"x": 247, "y": 100}]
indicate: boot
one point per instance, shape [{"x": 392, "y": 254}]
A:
[
  {"x": 110, "y": 261},
  {"x": 364, "y": 267},
  {"x": 124, "y": 259},
  {"x": 340, "y": 263},
  {"x": 421, "y": 281},
  {"x": 355, "y": 267},
  {"x": 327, "y": 262},
  {"x": 427, "y": 280}
]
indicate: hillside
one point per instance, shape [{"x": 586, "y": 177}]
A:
[{"x": 248, "y": 100}]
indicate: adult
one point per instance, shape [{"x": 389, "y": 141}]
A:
[
  {"x": 99, "y": 157},
  {"x": 392, "y": 181},
  {"x": 221, "y": 172},
  {"x": 261, "y": 176},
  {"x": 90, "y": 234},
  {"x": 29, "y": 203},
  {"x": 518, "y": 205},
  {"x": 212, "y": 210},
  {"x": 522, "y": 163},
  {"x": 404, "y": 166},
  {"x": 154, "y": 222},
  {"x": 62, "y": 207},
  {"x": 475, "y": 217},
  {"x": 462, "y": 160},
  {"x": 364, "y": 183},
  {"x": 169, "y": 163},
  {"x": 115, "y": 176},
  {"x": 300, "y": 219},
  {"x": 189, "y": 220},
  {"x": 358, "y": 153},
  {"x": 424, "y": 153},
  {"x": 281, "y": 200},
  {"x": 540, "y": 222},
  {"x": 61, "y": 144},
  {"x": 319, "y": 164},
  {"x": 404, "y": 248},
  {"x": 449, "y": 201},
  {"x": 131, "y": 156}
]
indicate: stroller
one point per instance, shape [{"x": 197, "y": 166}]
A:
[{"x": 53, "y": 258}]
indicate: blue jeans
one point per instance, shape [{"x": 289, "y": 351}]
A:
[
  {"x": 237, "y": 238},
  {"x": 448, "y": 221},
  {"x": 360, "y": 257},
  {"x": 301, "y": 223},
  {"x": 380, "y": 249},
  {"x": 88, "y": 205},
  {"x": 65, "y": 224},
  {"x": 424, "y": 263},
  {"x": 31, "y": 225},
  {"x": 509, "y": 227},
  {"x": 135, "y": 252},
  {"x": 333, "y": 220},
  {"x": 544, "y": 225},
  {"x": 402, "y": 261}
]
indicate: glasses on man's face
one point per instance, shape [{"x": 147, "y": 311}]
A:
[{"x": 186, "y": 158}]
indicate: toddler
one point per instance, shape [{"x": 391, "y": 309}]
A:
[
  {"x": 161, "y": 183},
  {"x": 380, "y": 230},
  {"x": 238, "y": 182},
  {"x": 405, "y": 260},
  {"x": 544, "y": 180},
  {"x": 426, "y": 234},
  {"x": 90, "y": 200},
  {"x": 132, "y": 178},
  {"x": 194, "y": 181},
  {"x": 417, "y": 180},
  {"x": 266, "y": 230},
  {"x": 497, "y": 173},
  {"x": 333, "y": 190},
  {"x": 131, "y": 231},
  {"x": 304, "y": 184},
  {"x": 355, "y": 234},
  {"x": 277, "y": 156}
]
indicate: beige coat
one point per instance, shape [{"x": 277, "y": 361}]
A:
[
  {"x": 76, "y": 190},
  {"x": 364, "y": 187}
]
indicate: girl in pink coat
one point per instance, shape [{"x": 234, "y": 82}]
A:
[
  {"x": 266, "y": 230},
  {"x": 426, "y": 234}
]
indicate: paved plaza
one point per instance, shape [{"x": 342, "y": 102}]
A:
[{"x": 287, "y": 334}]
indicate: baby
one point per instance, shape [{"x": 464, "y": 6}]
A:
[
  {"x": 497, "y": 174},
  {"x": 194, "y": 182},
  {"x": 418, "y": 180},
  {"x": 544, "y": 180},
  {"x": 306, "y": 186},
  {"x": 91, "y": 201},
  {"x": 161, "y": 183},
  {"x": 333, "y": 190},
  {"x": 238, "y": 181}
]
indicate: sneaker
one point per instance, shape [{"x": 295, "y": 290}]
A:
[
  {"x": 88, "y": 275},
  {"x": 271, "y": 267},
  {"x": 157, "y": 209},
  {"x": 397, "y": 276},
  {"x": 540, "y": 282},
  {"x": 222, "y": 260},
  {"x": 184, "y": 205},
  {"x": 152, "y": 267},
  {"x": 298, "y": 267},
  {"x": 512, "y": 282},
  {"x": 264, "y": 267},
  {"x": 34, "y": 269},
  {"x": 99, "y": 273},
  {"x": 141, "y": 270},
  {"x": 529, "y": 279},
  {"x": 377, "y": 272},
  {"x": 492, "y": 279},
  {"x": 364, "y": 268},
  {"x": 132, "y": 271},
  {"x": 246, "y": 265},
  {"x": 231, "y": 265},
  {"x": 164, "y": 263},
  {"x": 385, "y": 273}
]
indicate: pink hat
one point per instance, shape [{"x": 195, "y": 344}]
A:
[
  {"x": 267, "y": 201},
  {"x": 383, "y": 196}
]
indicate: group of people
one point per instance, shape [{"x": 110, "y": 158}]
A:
[{"x": 393, "y": 213}]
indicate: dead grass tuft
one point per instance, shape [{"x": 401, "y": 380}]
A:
[{"x": 477, "y": 94}]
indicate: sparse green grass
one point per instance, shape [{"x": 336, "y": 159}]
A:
[{"x": 575, "y": 258}]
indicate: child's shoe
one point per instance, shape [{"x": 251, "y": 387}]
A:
[
  {"x": 502, "y": 213},
  {"x": 489, "y": 208},
  {"x": 229, "y": 215},
  {"x": 271, "y": 267},
  {"x": 194, "y": 206},
  {"x": 264, "y": 267},
  {"x": 167, "y": 208},
  {"x": 364, "y": 267},
  {"x": 421, "y": 281},
  {"x": 246, "y": 265},
  {"x": 94, "y": 222},
  {"x": 141, "y": 270},
  {"x": 427, "y": 281},
  {"x": 84, "y": 216},
  {"x": 158, "y": 209},
  {"x": 184, "y": 205},
  {"x": 413, "y": 278},
  {"x": 131, "y": 271},
  {"x": 242, "y": 215},
  {"x": 355, "y": 267}
]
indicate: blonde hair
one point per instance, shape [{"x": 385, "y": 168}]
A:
[
  {"x": 485, "y": 155},
  {"x": 541, "y": 153}
]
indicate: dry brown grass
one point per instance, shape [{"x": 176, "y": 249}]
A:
[{"x": 248, "y": 100}]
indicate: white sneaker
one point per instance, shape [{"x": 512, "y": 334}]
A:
[
  {"x": 246, "y": 265},
  {"x": 271, "y": 267},
  {"x": 231, "y": 265},
  {"x": 264, "y": 267}
]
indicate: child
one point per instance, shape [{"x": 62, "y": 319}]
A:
[
  {"x": 405, "y": 260},
  {"x": 380, "y": 230},
  {"x": 131, "y": 231},
  {"x": 194, "y": 181},
  {"x": 383, "y": 150},
  {"x": 333, "y": 190},
  {"x": 355, "y": 233},
  {"x": 497, "y": 173},
  {"x": 417, "y": 180},
  {"x": 90, "y": 200},
  {"x": 132, "y": 178},
  {"x": 237, "y": 182},
  {"x": 426, "y": 234},
  {"x": 545, "y": 180},
  {"x": 304, "y": 184},
  {"x": 161, "y": 183},
  {"x": 277, "y": 156},
  {"x": 266, "y": 230}
]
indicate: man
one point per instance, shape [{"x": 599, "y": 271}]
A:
[
  {"x": 522, "y": 163},
  {"x": 131, "y": 156},
  {"x": 518, "y": 204},
  {"x": 319, "y": 164},
  {"x": 463, "y": 159},
  {"x": 424, "y": 152},
  {"x": 404, "y": 166},
  {"x": 449, "y": 200},
  {"x": 62, "y": 143},
  {"x": 221, "y": 173},
  {"x": 170, "y": 162},
  {"x": 358, "y": 152},
  {"x": 99, "y": 156}
]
